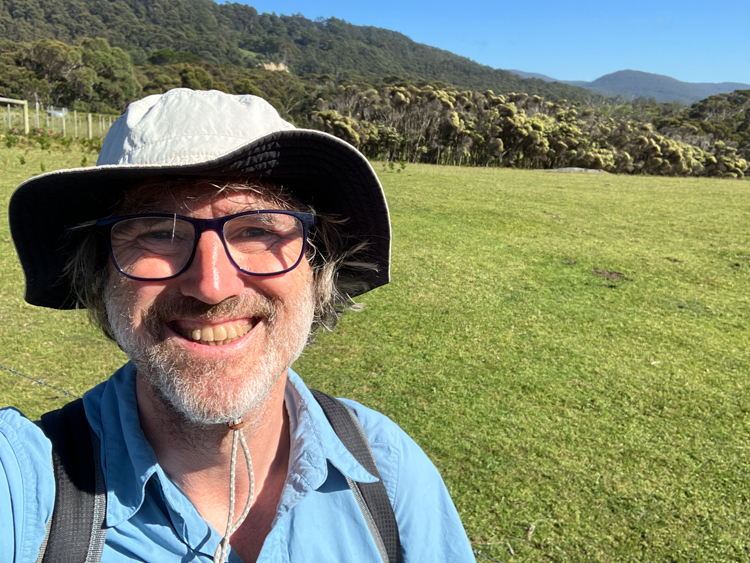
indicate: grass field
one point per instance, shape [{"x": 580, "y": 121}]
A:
[{"x": 570, "y": 349}]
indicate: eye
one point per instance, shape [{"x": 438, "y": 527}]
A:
[
  {"x": 253, "y": 232},
  {"x": 151, "y": 231},
  {"x": 159, "y": 234}
]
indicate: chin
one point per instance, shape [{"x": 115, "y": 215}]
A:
[
  {"x": 208, "y": 391},
  {"x": 213, "y": 404}
]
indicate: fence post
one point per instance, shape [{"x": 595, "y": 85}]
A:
[
  {"x": 63, "y": 124},
  {"x": 75, "y": 124},
  {"x": 25, "y": 118},
  {"x": 9, "y": 125},
  {"x": 89, "y": 124},
  {"x": 36, "y": 104}
]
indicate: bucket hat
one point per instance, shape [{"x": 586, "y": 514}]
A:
[{"x": 194, "y": 134}]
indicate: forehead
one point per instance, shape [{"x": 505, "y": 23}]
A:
[{"x": 186, "y": 195}]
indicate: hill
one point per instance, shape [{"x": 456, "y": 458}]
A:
[
  {"x": 632, "y": 84},
  {"x": 236, "y": 33},
  {"x": 544, "y": 77}
]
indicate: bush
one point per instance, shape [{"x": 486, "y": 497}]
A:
[
  {"x": 64, "y": 142},
  {"x": 11, "y": 140},
  {"x": 94, "y": 144},
  {"x": 42, "y": 137}
]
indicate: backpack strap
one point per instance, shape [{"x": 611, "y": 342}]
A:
[
  {"x": 372, "y": 498},
  {"x": 76, "y": 531}
]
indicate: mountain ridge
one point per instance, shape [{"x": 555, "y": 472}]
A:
[{"x": 631, "y": 84}]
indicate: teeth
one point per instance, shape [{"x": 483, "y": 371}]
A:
[
  {"x": 217, "y": 335},
  {"x": 220, "y": 333}
]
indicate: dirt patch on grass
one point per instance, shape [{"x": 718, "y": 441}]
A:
[{"x": 611, "y": 276}]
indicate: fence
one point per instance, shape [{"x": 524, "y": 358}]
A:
[{"x": 55, "y": 120}]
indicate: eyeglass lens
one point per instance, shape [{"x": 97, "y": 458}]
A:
[{"x": 160, "y": 247}]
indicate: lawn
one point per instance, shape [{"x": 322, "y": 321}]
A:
[{"x": 570, "y": 349}]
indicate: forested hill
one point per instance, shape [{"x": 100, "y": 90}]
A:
[{"x": 236, "y": 33}]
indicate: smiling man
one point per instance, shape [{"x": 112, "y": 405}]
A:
[{"x": 210, "y": 241}]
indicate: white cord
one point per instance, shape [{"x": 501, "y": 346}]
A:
[{"x": 237, "y": 435}]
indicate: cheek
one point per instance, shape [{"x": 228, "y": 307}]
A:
[
  {"x": 130, "y": 298},
  {"x": 289, "y": 286}
]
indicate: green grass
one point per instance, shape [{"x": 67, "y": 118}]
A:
[
  {"x": 609, "y": 414},
  {"x": 56, "y": 346}
]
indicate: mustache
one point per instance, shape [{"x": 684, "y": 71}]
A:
[{"x": 165, "y": 309}]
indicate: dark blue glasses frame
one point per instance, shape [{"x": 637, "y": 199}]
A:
[{"x": 201, "y": 225}]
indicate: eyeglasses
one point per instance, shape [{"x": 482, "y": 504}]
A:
[{"x": 159, "y": 246}]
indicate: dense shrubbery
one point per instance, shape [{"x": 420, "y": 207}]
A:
[
  {"x": 89, "y": 76},
  {"x": 445, "y": 126}
]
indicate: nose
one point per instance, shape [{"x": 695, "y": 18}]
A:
[{"x": 211, "y": 277}]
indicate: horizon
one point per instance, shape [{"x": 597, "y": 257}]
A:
[{"x": 657, "y": 39}]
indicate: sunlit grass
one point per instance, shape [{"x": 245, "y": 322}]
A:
[
  {"x": 570, "y": 349},
  {"x": 609, "y": 414},
  {"x": 56, "y": 346}
]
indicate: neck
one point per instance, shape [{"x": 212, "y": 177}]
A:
[{"x": 197, "y": 457}]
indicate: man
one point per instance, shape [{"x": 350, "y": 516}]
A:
[{"x": 208, "y": 241}]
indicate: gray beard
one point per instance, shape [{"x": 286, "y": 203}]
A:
[{"x": 192, "y": 388}]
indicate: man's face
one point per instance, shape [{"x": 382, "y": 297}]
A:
[{"x": 213, "y": 341}]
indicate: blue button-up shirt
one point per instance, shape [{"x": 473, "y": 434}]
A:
[{"x": 150, "y": 519}]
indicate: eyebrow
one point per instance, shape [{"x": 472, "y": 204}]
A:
[{"x": 183, "y": 209}]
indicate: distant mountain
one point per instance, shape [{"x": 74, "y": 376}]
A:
[
  {"x": 632, "y": 84},
  {"x": 636, "y": 84}
]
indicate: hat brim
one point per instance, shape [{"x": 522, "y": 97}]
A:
[{"x": 319, "y": 169}]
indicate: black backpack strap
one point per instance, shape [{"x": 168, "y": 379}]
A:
[
  {"x": 76, "y": 530},
  {"x": 372, "y": 497}
]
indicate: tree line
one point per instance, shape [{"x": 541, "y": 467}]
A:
[
  {"x": 403, "y": 120},
  {"x": 447, "y": 126}
]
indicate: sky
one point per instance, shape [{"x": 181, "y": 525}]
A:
[{"x": 577, "y": 40}]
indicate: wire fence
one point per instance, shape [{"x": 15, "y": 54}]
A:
[
  {"x": 477, "y": 554},
  {"x": 56, "y": 121},
  {"x": 40, "y": 382}
]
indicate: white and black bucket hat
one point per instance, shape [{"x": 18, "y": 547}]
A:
[{"x": 186, "y": 133}]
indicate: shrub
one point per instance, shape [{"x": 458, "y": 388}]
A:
[
  {"x": 11, "y": 140},
  {"x": 64, "y": 142},
  {"x": 94, "y": 144}
]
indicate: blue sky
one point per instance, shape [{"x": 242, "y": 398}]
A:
[{"x": 580, "y": 40}]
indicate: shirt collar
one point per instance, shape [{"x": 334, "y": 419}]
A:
[
  {"x": 313, "y": 441},
  {"x": 129, "y": 461}
]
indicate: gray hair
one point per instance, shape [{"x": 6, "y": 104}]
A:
[{"x": 332, "y": 254}]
